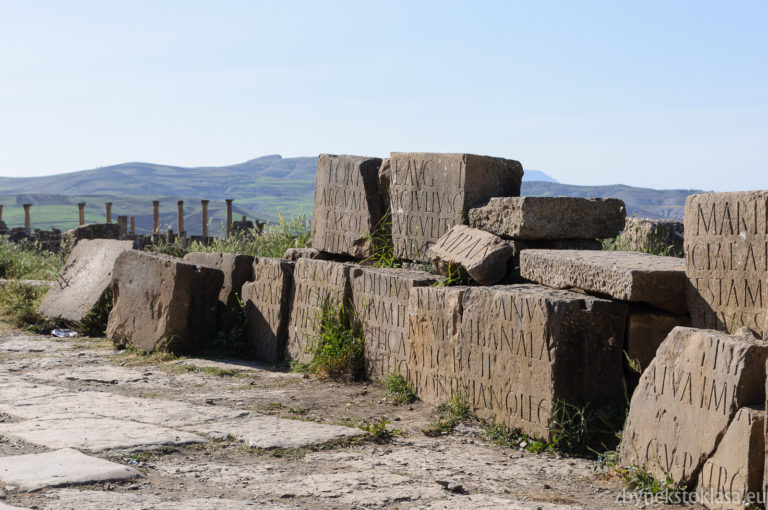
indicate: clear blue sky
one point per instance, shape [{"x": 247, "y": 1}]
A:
[{"x": 665, "y": 94}]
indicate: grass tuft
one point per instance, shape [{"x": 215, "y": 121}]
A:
[
  {"x": 451, "y": 414},
  {"x": 21, "y": 263},
  {"x": 337, "y": 349},
  {"x": 398, "y": 390},
  {"x": 18, "y": 304}
]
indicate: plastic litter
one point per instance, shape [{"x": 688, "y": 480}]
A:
[{"x": 64, "y": 333}]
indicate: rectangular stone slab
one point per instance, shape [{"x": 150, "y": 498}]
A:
[
  {"x": 267, "y": 308},
  {"x": 348, "y": 206},
  {"x": 726, "y": 246},
  {"x": 314, "y": 282},
  {"x": 736, "y": 469},
  {"x": 472, "y": 252},
  {"x": 380, "y": 299},
  {"x": 95, "y": 434},
  {"x": 624, "y": 275},
  {"x": 686, "y": 400},
  {"x": 550, "y": 218},
  {"x": 83, "y": 280},
  {"x": 60, "y": 467},
  {"x": 429, "y": 193},
  {"x": 237, "y": 269},
  {"x": 514, "y": 351}
]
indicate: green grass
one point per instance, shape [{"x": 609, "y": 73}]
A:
[
  {"x": 654, "y": 246},
  {"x": 20, "y": 263},
  {"x": 398, "y": 390},
  {"x": 455, "y": 277},
  {"x": 380, "y": 240},
  {"x": 337, "y": 348},
  {"x": 377, "y": 431},
  {"x": 18, "y": 305},
  {"x": 644, "y": 483},
  {"x": 451, "y": 414}
]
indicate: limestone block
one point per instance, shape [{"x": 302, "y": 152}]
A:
[
  {"x": 646, "y": 329},
  {"x": 348, "y": 206},
  {"x": 380, "y": 300},
  {"x": 429, "y": 193},
  {"x": 266, "y": 307},
  {"x": 314, "y": 282},
  {"x": 653, "y": 236},
  {"x": 473, "y": 252},
  {"x": 237, "y": 269},
  {"x": 295, "y": 254},
  {"x": 629, "y": 276},
  {"x": 550, "y": 218},
  {"x": 163, "y": 302},
  {"x": 93, "y": 231},
  {"x": 726, "y": 247},
  {"x": 686, "y": 400},
  {"x": 83, "y": 280},
  {"x": 514, "y": 351}
]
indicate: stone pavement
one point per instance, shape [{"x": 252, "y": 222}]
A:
[{"x": 85, "y": 427}]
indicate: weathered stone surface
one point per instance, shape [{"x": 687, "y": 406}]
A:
[
  {"x": 551, "y": 218},
  {"x": 380, "y": 299},
  {"x": 94, "y": 231},
  {"x": 274, "y": 432},
  {"x": 267, "y": 307},
  {"x": 430, "y": 193},
  {"x": 314, "y": 282},
  {"x": 629, "y": 276},
  {"x": 513, "y": 351},
  {"x": 652, "y": 236},
  {"x": 62, "y": 467},
  {"x": 473, "y": 252},
  {"x": 237, "y": 269},
  {"x": 646, "y": 329},
  {"x": 295, "y": 254},
  {"x": 736, "y": 469},
  {"x": 162, "y": 302},
  {"x": 726, "y": 246},
  {"x": 561, "y": 244},
  {"x": 347, "y": 204},
  {"x": 687, "y": 398},
  {"x": 83, "y": 280}
]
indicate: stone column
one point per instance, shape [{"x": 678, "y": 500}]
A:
[
  {"x": 122, "y": 222},
  {"x": 108, "y": 205},
  {"x": 229, "y": 216},
  {"x": 1, "y": 213},
  {"x": 204, "y": 216},
  {"x": 81, "y": 213},
  {"x": 26, "y": 215},
  {"x": 155, "y": 216},
  {"x": 180, "y": 205},
  {"x": 132, "y": 221}
]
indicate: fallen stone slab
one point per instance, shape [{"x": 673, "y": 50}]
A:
[
  {"x": 348, "y": 207},
  {"x": 237, "y": 269},
  {"x": 726, "y": 246},
  {"x": 687, "y": 398},
  {"x": 471, "y": 252},
  {"x": 628, "y": 276},
  {"x": 652, "y": 236},
  {"x": 62, "y": 467},
  {"x": 95, "y": 434},
  {"x": 70, "y": 238},
  {"x": 735, "y": 471},
  {"x": 515, "y": 351},
  {"x": 271, "y": 432},
  {"x": 550, "y": 218},
  {"x": 646, "y": 329},
  {"x": 163, "y": 302},
  {"x": 380, "y": 300},
  {"x": 294, "y": 254},
  {"x": 430, "y": 193},
  {"x": 82, "y": 282},
  {"x": 315, "y": 282},
  {"x": 267, "y": 308}
]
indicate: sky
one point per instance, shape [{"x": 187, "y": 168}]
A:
[{"x": 662, "y": 94}]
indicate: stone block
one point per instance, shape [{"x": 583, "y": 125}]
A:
[
  {"x": 646, "y": 329},
  {"x": 83, "y": 280},
  {"x": 726, "y": 246},
  {"x": 380, "y": 300},
  {"x": 515, "y": 351},
  {"x": 314, "y": 282},
  {"x": 735, "y": 472},
  {"x": 295, "y": 254},
  {"x": 70, "y": 238},
  {"x": 430, "y": 193},
  {"x": 688, "y": 397},
  {"x": 550, "y": 218},
  {"x": 469, "y": 251},
  {"x": 237, "y": 269},
  {"x": 266, "y": 307},
  {"x": 652, "y": 236},
  {"x": 629, "y": 276},
  {"x": 163, "y": 302},
  {"x": 348, "y": 206}
]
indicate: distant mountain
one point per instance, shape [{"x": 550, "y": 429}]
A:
[{"x": 261, "y": 187}]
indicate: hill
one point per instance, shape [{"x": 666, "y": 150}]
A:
[{"x": 262, "y": 188}]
